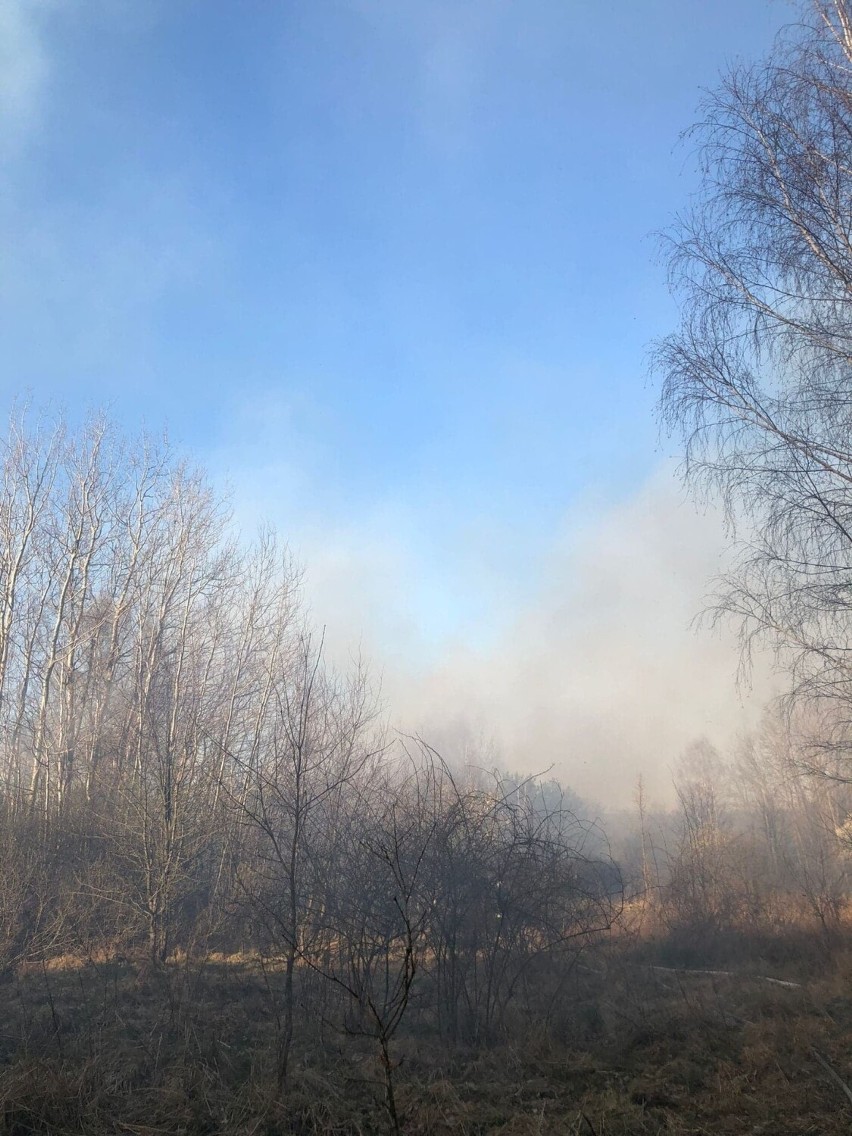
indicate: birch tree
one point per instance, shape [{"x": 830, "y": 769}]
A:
[{"x": 757, "y": 380}]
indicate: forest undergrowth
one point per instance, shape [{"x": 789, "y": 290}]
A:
[{"x": 651, "y": 1033}]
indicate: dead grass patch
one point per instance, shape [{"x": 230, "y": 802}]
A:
[{"x": 627, "y": 1050}]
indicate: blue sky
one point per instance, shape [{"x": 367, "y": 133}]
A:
[{"x": 387, "y": 266}]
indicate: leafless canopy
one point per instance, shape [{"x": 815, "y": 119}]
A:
[{"x": 757, "y": 380}]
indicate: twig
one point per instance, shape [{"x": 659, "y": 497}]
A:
[{"x": 832, "y": 1072}]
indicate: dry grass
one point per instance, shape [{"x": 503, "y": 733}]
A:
[{"x": 93, "y": 1048}]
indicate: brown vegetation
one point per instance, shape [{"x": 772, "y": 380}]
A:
[
  {"x": 630, "y": 1046},
  {"x": 229, "y": 904}
]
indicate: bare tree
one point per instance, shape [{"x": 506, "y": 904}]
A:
[
  {"x": 312, "y": 747},
  {"x": 520, "y": 883},
  {"x": 378, "y": 916},
  {"x": 758, "y": 379}
]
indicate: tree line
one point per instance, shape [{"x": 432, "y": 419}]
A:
[{"x": 180, "y": 771}]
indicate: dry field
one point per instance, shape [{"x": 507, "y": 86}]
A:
[{"x": 642, "y": 1040}]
